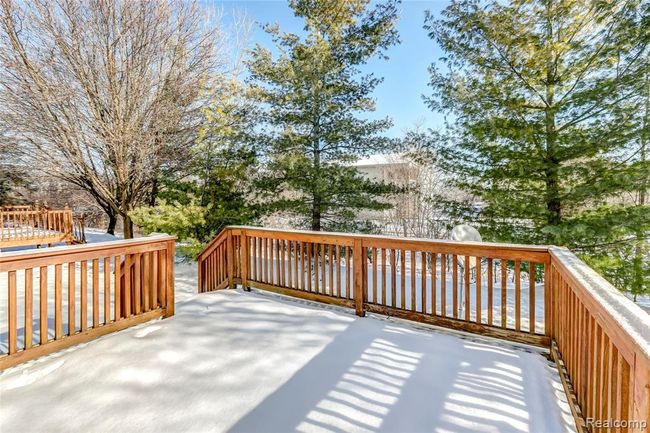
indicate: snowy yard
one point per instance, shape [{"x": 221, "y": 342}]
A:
[{"x": 244, "y": 362}]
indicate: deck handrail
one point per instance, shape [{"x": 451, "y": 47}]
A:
[
  {"x": 602, "y": 339},
  {"x": 91, "y": 277},
  {"x": 585, "y": 320}
]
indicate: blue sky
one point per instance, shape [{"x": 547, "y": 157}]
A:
[{"x": 405, "y": 72}]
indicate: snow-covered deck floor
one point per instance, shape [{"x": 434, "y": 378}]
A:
[{"x": 233, "y": 361}]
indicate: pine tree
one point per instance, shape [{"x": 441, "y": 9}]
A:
[
  {"x": 314, "y": 98},
  {"x": 541, "y": 97}
]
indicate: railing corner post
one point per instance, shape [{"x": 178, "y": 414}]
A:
[
  {"x": 169, "y": 270},
  {"x": 357, "y": 257},
  {"x": 230, "y": 258}
]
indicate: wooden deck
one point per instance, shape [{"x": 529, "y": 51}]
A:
[
  {"x": 599, "y": 340},
  {"x": 23, "y": 226}
]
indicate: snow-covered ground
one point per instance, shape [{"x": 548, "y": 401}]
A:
[{"x": 246, "y": 362}]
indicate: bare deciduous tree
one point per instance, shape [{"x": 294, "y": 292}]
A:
[{"x": 106, "y": 94}]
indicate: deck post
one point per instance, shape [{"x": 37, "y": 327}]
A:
[
  {"x": 230, "y": 257},
  {"x": 169, "y": 269},
  {"x": 243, "y": 255},
  {"x": 359, "y": 285}
]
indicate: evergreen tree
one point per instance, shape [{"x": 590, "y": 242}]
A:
[
  {"x": 542, "y": 97},
  {"x": 314, "y": 101}
]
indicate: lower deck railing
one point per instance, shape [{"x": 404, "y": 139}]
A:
[
  {"x": 21, "y": 226},
  {"x": 58, "y": 297},
  {"x": 532, "y": 294}
]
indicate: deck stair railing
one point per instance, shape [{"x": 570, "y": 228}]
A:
[{"x": 541, "y": 295}]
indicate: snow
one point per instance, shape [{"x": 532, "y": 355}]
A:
[{"x": 245, "y": 362}]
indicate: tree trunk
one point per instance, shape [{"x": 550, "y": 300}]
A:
[
  {"x": 640, "y": 246},
  {"x": 553, "y": 203},
  {"x": 154, "y": 192},
  {"x": 112, "y": 222},
  {"x": 315, "y": 215},
  {"x": 316, "y": 203},
  {"x": 128, "y": 226}
]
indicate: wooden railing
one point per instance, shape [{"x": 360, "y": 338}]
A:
[
  {"x": 62, "y": 296},
  {"x": 602, "y": 340},
  {"x": 19, "y": 227},
  {"x": 484, "y": 288},
  {"x": 533, "y": 294}
]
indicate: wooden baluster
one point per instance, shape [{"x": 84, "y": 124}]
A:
[
  {"x": 504, "y": 287},
  {"x": 443, "y": 284},
  {"x": 127, "y": 285},
  {"x": 58, "y": 302},
  {"x": 531, "y": 298},
  {"x": 338, "y": 271},
  {"x": 283, "y": 265},
  {"x": 402, "y": 279},
  {"x": 72, "y": 292},
  {"x": 245, "y": 260},
  {"x": 393, "y": 278},
  {"x": 316, "y": 273},
  {"x": 252, "y": 264},
  {"x": 164, "y": 274},
  {"x": 467, "y": 292},
  {"x": 423, "y": 280},
  {"x": 490, "y": 278},
  {"x": 479, "y": 306},
  {"x": 146, "y": 285},
  {"x": 434, "y": 284},
  {"x": 137, "y": 272},
  {"x": 352, "y": 270},
  {"x": 278, "y": 262},
  {"x": 454, "y": 283},
  {"x": 308, "y": 257},
  {"x": 330, "y": 256},
  {"x": 301, "y": 265},
  {"x": 414, "y": 265},
  {"x": 96, "y": 293},
  {"x": 517, "y": 295},
  {"x": 154, "y": 280},
  {"x": 373, "y": 253},
  {"x": 43, "y": 305},
  {"x": 322, "y": 269},
  {"x": 83, "y": 319},
  {"x": 359, "y": 283},
  {"x": 383, "y": 276},
  {"x": 29, "y": 307},
  {"x": 117, "y": 300},
  {"x": 293, "y": 264},
  {"x": 12, "y": 314},
  {"x": 268, "y": 259}
]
